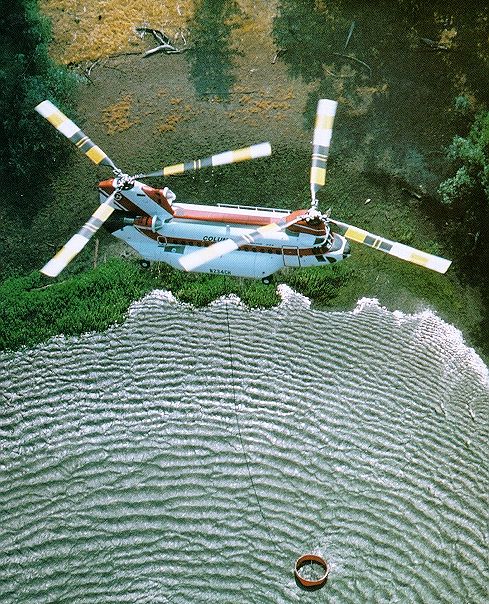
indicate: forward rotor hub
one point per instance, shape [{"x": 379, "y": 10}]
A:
[{"x": 123, "y": 181}]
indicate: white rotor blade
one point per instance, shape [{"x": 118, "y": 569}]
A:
[
  {"x": 323, "y": 131},
  {"x": 73, "y": 133},
  {"x": 194, "y": 260},
  {"x": 399, "y": 250},
  {"x": 220, "y": 159},
  {"x": 75, "y": 245}
]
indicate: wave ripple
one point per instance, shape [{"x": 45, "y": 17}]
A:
[{"x": 123, "y": 475}]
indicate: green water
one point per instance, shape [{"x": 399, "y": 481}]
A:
[{"x": 180, "y": 458}]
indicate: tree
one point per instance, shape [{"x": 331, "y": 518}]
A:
[
  {"x": 471, "y": 180},
  {"x": 27, "y": 76}
]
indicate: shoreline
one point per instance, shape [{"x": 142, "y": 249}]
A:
[{"x": 100, "y": 298}]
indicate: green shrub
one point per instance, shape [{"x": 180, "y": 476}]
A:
[
  {"x": 31, "y": 311},
  {"x": 471, "y": 179},
  {"x": 462, "y": 104}
]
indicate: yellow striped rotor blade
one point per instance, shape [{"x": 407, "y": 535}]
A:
[
  {"x": 220, "y": 159},
  {"x": 73, "y": 133},
  {"x": 399, "y": 250},
  {"x": 323, "y": 131},
  {"x": 75, "y": 245}
]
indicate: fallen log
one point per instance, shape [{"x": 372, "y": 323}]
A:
[
  {"x": 352, "y": 58},
  {"x": 434, "y": 45},
  {"x": 164, "y": 42},
  {"x": 352, "y": 27}
]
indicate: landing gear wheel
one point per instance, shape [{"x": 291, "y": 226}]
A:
[
  {"x": 144, "y": 264},
  {"x": 266, "y": 280}
]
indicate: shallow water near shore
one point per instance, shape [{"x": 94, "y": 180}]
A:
[{"x": 191, "y": 455}]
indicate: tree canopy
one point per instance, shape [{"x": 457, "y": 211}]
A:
[
  {"x": 27, "y": 76},
  {"x": 471, "y": 180}
]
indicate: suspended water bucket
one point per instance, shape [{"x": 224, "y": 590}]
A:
[{"x": 311, "y": 571}]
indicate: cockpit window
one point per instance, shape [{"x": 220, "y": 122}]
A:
[{"x": 336, "y": 243}]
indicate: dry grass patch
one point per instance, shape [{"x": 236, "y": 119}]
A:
[
  {"x": 88, "y": 30},
  {"x": 116, "y": 117}
]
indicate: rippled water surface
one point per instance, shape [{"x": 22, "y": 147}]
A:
[{"x": 148, "y": 464}]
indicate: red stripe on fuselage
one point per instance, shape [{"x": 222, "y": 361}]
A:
[
  {"x": 253, "y": 219},
  {"x": 211, "y": 215},
  {"x": 286, "y": 251}
]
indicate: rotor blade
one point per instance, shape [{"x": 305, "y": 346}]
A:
[
  {"x": 405, "y": 252},
  {"x": 220, "y": 159},
  {"x": 75, "y": 245},
  {"x": 323, "y": 130},
  {"x": 73, "y": 133},
  {"x": 191, "y": 261}
]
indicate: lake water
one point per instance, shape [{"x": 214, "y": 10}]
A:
[{"x": 191, "y": 455}]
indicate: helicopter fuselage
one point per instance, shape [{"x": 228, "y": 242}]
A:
[
  {"x": 225, "y": 239},
  {"x": 161, "y": 231}
]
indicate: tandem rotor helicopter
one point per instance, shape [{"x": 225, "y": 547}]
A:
[{"x": 226, "y": 239}]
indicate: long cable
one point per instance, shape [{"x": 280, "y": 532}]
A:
[
  {"x": 248, "y": 467},
  {"x": 245, "y": 455}
]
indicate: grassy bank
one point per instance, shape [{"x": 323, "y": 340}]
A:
[{"x": 32, "y": 310}]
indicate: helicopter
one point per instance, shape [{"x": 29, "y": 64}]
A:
[{"x": 223, "y": 239}]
